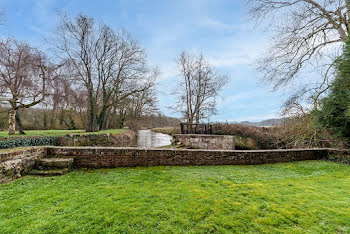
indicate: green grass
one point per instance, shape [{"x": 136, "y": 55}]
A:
[
  {"x": 309, "y": 196},
  {"x": 4, "y": 134}
]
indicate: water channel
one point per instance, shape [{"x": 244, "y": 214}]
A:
[{"x": 149, "y": 139}]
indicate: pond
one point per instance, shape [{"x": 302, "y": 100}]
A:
[{"x": 149, "y": 139}]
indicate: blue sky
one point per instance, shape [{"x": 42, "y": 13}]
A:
[{"x": 220, "y": 29}]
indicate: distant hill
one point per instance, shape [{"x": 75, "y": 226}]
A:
[{"x": 264, "y": 123}]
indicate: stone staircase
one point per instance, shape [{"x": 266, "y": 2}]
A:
[{"x": 53, "y": 166}]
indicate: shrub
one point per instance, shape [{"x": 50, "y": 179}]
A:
[
  {"x": 28, "y": 141},
  {"x": 340, "y": 158},
  {"x": 335, "y": 112},
  {"x": 261, "y": 135},
  {"x": 301, "y": 132}
]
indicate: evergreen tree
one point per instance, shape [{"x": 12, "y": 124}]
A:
[{"x": 335, "y": 112}]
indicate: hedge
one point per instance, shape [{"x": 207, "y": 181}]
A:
[{"x": 28, "y": 141}]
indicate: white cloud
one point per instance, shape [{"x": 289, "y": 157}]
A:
[
  {"x": 230, "y": 61},
  {"x": 219, "y": 25},
  {"x": 166, "y": 73},
  {"x": 241, "y": 96}
]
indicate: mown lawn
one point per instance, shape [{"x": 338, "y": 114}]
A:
[
  {"x": 310, "y": 196},
  {"x": 58, "y": 132}
]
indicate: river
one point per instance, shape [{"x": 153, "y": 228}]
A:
[{"x": 149, "y": 139}]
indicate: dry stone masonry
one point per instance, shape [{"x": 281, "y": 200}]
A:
[
  {"x": 199, "y": 141},
  {"x": 110, "y": 157},
  {"x": 17, "y": 162},
  {"x": 125, "y": 138}
]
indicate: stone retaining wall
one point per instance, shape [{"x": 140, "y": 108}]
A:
[
  {"x": 17, "y": 162},
  {"x": 109, "y": 157},
  {"x": 212, "y": 142},
  {"x": 121, "y": 139}
]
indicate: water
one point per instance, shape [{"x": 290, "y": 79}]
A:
[{"x": 149, "y": 139}]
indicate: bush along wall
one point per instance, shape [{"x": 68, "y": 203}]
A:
[
  {"x": 339, "y": 155},
  {"x": 28, "y": 141},
  {"x": 122, "y": 139},
  {"x": 246, "y": 137}
]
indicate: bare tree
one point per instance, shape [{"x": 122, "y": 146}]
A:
[
  {"x": 108, "y": 64},
  {"x": 130, "y": 109},
  {"x": 307, "y": 36},
  {"x": 76, "y": 39},
  {"x": 24, "y": 72},
  {"x": 144, "y": 102},
  {"x": 123, "y": 72},
  {"x": 198, "y": 87},
  {"x": 66, "y": 99}
]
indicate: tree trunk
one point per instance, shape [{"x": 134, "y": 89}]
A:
[
  {"x": 197, "y": 116},
  {"x": 121, "y": 120},
  {"x": 102, "y": 117},
  {"x": 91, "y": 125},
  {"x": 53, "y": 116},
  {"x": 12, "y": 122},
  {"x": 108, "y": 119},
  {"x": 19, "y": 124}
]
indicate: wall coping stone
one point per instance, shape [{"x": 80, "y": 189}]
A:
[
  {"x": 30, "y": 148},
  {"x": 191, "y": 150},
  {"x": 18, "y": 152}
]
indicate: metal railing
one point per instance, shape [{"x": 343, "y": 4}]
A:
[{"x": 187, "y": 128}]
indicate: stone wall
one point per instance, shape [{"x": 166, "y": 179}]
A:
[
  {"x": 198, "y": 141},
  {"x": 121, "y": 139},
  {"x": 125, "y": 138},
  {"x": 110, "y": 157},
  {"x": 18, "y": 161}
]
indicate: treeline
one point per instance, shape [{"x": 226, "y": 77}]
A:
[
  {"x": 94, "y": 77},
  {"x": 46, "y": 119}
]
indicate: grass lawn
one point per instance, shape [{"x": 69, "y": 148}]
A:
[
  {"x": 309, "y": 196},
  {"x": 57, "y": 132}
]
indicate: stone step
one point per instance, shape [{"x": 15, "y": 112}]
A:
[
  {"x": 56, "y": 162},
  {"x": 56, "y": 172}
]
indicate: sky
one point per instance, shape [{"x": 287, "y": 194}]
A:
[{"x": 219, "y": 29}]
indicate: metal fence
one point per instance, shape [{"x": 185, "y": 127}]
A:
[{"x": 187, "y": 128}]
